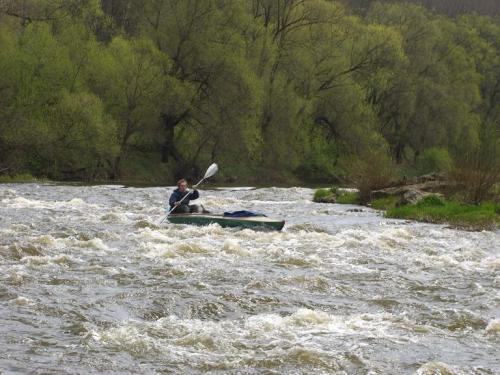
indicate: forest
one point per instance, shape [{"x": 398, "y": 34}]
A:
[{"x": 275, "y": 91}]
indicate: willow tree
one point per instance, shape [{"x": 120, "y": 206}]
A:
[
  {"x": 211, "y": 92},
  {"x": 41, "y": 119},
  {"x": 429, "y": 101},
  {"x": 477, "y": 156},
  {"x": 128, "y": 76}
]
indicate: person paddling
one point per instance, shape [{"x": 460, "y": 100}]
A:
[{"x": 181, "y": 205}]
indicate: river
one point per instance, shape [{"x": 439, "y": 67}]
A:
[{"x": 89, "y": 283}]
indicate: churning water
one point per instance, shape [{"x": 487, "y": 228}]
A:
[{"x": 89, "y": 283}]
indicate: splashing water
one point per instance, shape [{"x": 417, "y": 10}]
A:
[{"x": 91, "y": 283}]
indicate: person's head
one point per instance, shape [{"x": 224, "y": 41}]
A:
[{"x": 182, "y": 185}]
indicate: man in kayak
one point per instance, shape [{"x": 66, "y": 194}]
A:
[{"x": 184, "y": 207}]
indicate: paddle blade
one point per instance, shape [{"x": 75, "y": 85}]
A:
[{"x": 211, "y": 171}]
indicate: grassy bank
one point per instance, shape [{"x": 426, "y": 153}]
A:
[
  {"x": 475, "y": 217},
  {"x": 432, "y": 209},
  {"x": 24, "y": 177}
]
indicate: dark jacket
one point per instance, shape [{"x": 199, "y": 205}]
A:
[{"x": 177, "y": 196}]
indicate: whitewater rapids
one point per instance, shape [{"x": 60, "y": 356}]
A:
[{"x": 90, "y": 283}]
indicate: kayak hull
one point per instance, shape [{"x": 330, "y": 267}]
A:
[{"x": 253, "y": 222}]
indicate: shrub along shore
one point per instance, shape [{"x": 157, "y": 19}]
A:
[{"x": 430, "y": 208}]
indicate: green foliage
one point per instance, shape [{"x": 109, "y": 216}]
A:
[
  {"x": 321, "y": 193},
  {"x": 348, "y": 197},
  {"x": 336, "y": 195},
  {"x": 431, "y": 201},
  {"x": 478, "y": 167},
  {"x": 373, "y": 171},
  {"x": 478, "y": 217},
  {"x": 274, "y": 89},
  {"x": 83, "y": 136},
  {"x": 385, "y": 203},
  {"x": 22, "y": 177},
  {"x": 434, "y": 160}
]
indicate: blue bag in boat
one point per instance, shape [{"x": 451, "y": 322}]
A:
[{"x": 242, "y": 213}]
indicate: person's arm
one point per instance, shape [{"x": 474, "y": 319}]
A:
[
  {"x": 173, "y": 199},
  {"x": 194, "y": 194}
]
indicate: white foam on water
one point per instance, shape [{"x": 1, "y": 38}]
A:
[
  {"x": 492, "y": 262},
  {"x": 61, "y": 260},
  {"x": 106, "y": 187},
  {"x": 351, "y": 265},
  {"x": 157, "y": 210},
  {"x": 238, "y": 188},
  {"x": 304, "y": 229},
  {"x": 7, "y": 192},
  {"x": 154, "y": 251},
  {"x": 351, "y": 250},
  {"x": 94, "y": 243},
  {"x": 304, "y": 336},
  {"x": 496, "y": 282},
  {"x": 388, "y": 239},
  {"x": 192, "y": 248},
  {"x": 439, "y": 368},
  {"x": 281, "y": 247},
  {"x": 19, "y": 228},
  {"x": 22, "y": 301},
  {"x": 68, "y": 248},
  {"x": 70, "y": 242},
  {"x": 263, "y": 202},
  {"x": 150, "y": 234},
  {"x": 16, "y": 274},
  {"x": 215, "y": 203},
  {"x": 72, "y": 204},
  {"x": 128, "y": 336},
  {"x": 46, "y": 240},
  {"x": 101, "y": 270},
  {"x": 114, "y": 217},
  {"x": 493, "y": 327},
  {"x": 21, "y": 202},
  {"x": 233, "y": 246},
  {"x": 181, "y": 232},
  {"x": 274, "y": 194}
]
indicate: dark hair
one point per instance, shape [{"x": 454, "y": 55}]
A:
[{"x": 180, "y": 182}]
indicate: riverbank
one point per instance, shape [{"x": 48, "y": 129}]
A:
[
  {"x": 222, "y": 180},
  {"x": 24, "y": 177},
  {"x": 429, "y": 209},
  {"x": 432, "y": 209},
  {"x": 219, "y": 180}
]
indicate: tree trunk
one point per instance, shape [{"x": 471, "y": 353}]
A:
[{"x": 168, "y": 149}]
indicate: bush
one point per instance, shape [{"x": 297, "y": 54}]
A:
[
  {"x": 434, "y": 160},
  {"x": 23, "y": 177},
  {"x": 321, "y": 194},
  {"x": 336, "y": 195},
  {"x": 347, "y": 197},
  {"x": 385, "y": 203},
  {"x": 477, "y": 169},
  {"x": 372, "y": 171},
  {"x": 431, "y": 201}
]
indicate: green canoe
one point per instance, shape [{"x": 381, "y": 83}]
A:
[{"x": 253, "y": 222}]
